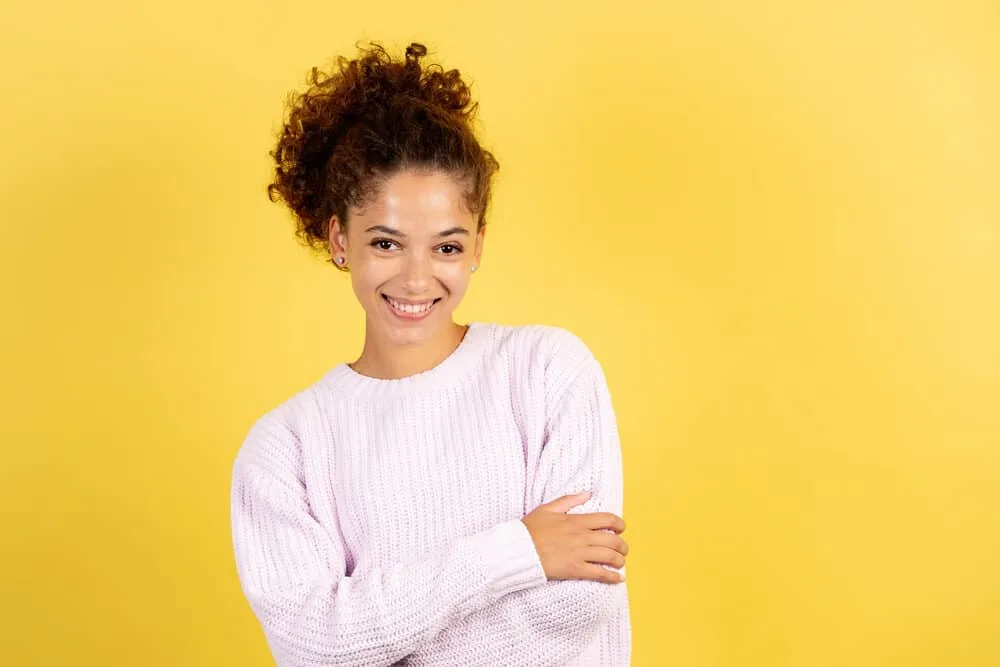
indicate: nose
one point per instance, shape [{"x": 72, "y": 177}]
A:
[{"x": 418, "y": 271}]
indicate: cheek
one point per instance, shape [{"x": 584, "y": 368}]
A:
[
  {"x": 456, "y": 282},
  {"x": 366, "y": 279},
  {"x": 454, "y": 277}
]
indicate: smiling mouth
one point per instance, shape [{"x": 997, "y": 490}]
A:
[{"x": 410, "y": 309}]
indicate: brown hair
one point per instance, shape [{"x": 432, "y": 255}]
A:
[{"x": 364, "y": 121}]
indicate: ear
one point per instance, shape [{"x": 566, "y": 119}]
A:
[
  {"x": 478, "y": 252},
  {"x": 338, "y": 237}
]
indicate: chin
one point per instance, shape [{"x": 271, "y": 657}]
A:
[
  {"x": 403, "y": 332},
  {"x": 405, "y": 336}
]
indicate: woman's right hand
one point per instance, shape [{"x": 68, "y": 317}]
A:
[{"x": 572, "y": 546}]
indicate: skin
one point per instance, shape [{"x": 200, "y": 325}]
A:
[{"x": 414, "y": 242}]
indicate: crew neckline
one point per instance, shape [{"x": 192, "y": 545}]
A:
[{"x": 345, "y": 379}]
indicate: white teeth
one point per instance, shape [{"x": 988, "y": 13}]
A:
[{"x": 412, "y": 309}]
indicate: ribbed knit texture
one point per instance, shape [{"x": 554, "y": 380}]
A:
[{"x": 378, "y": 522}]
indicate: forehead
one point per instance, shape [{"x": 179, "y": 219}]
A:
[{"x": 412, "y": 200}]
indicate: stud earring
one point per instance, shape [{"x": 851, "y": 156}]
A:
[
  {"x": 474, "y": 267},
  {"x": 339, "y": 261}
]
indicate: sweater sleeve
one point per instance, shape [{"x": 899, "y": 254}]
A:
[
  {"x": 293, "y": 572},
  {"x": 553, "y": 623}
]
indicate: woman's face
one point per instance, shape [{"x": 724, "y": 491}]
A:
[{"x": 410, "y": 252}]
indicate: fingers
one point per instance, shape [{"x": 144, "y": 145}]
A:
[
  {"x": 601, "y": 520},
  {"x": 566, "y": 503},
  {"x": 608, "y": 541},
  {"x": 578, "y": 546},
  {"x": 604, "y": 555},
  {"x": 600, "y": 573}
]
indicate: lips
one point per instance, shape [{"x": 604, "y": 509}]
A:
[{"x": 410, "y": 310}]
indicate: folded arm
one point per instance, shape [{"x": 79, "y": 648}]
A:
[
  {"x": 293, "y": 572},
  {"x": 552, "y": 623}
]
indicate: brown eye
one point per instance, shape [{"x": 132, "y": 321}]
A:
[
  {"x": 382, "y": 243},
  {"x": 455, "y": 248}
]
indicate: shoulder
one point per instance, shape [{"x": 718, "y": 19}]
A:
[
  {"x": 542, "y": 342},
  {"x": 554, "y": 352},
  {"x": 273, "y": 441}
]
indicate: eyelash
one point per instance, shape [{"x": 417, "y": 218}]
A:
[{"x": 375, "y": 242}]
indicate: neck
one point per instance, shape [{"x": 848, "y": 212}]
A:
[{"x": 388, "y": 361}]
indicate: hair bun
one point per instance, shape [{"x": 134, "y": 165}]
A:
[
  {"x": 415, "y": 51},
  {"x": 361, "y": 121}
]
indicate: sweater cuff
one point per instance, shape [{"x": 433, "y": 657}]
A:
[{"x": 508, "y": 557}]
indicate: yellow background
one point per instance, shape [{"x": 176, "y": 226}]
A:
[{"x": 775, "y": 223}]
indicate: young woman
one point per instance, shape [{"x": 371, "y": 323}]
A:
[{"x": 453, "y": 496}]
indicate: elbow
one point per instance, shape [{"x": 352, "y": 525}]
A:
[
  {"x": 610, "y": 600},
  {"x": 298, "y": 630},
  {"x": 285, "y": 622},
  {"x": 305, "y": 627},
  {"x": 591, "y": 604}
]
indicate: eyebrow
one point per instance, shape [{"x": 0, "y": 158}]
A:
[{"x": 395, "y": 232}]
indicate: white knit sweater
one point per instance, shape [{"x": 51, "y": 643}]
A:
[{"x": 378, "y": 522}]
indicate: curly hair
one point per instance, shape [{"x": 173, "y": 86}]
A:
[{"x": 361, "y": 123}]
